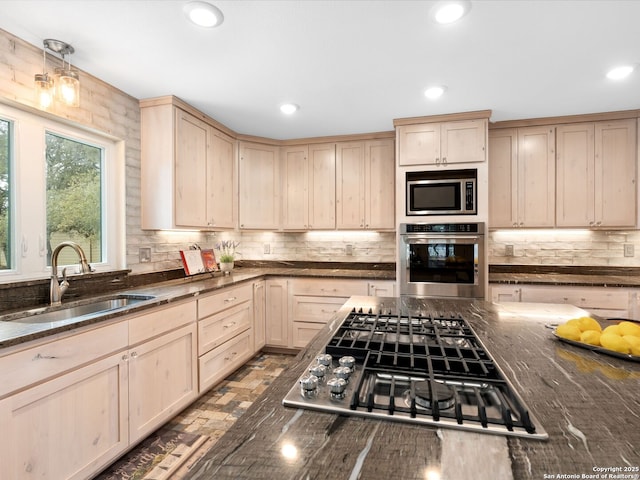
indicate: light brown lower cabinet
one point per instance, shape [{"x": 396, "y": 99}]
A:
[{"x": 76, "y": 403}]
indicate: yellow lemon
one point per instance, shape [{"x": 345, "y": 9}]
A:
[
  {"x": 592, "y": 337},
  {"x": 614, "y": 342},
  {"x": 612, "y": 329},
  {"x": 568, "y": 331},
  {"x": 629, "y": 328},
  {"x": 575, "y": 322},
  {"x": 588, "y": 323},
  {"x": 634, "y": 342}
]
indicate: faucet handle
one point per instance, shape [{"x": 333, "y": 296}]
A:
[{"x": 64, "y": 277}]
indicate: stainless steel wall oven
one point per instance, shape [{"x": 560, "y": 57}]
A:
[{"x": 442, "y": 260}]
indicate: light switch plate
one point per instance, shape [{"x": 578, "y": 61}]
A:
[
  {"x": 266, "y": 249},
  {"x": 508, "y": 250},
  {"x": 628, "y": 250}
]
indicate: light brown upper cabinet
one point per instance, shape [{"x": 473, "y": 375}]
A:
[
  {"x": 596, "y": 174},
  {"x": 259, "y": 202},
  {"x": 442, "y": 143},
  {"x": 365, "y": 182},
  {"x": 187, "y": 171},
  {"x": 522, "y": 177},
  {"x": 309, "y": 179}
]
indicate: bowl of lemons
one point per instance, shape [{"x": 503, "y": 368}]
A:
[{"x": 619, "y": 340}]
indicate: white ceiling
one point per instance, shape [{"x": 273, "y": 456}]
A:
[{"x": 352, "y": 65}]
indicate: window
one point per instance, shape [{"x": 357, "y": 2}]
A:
[
  {"x": 5, "y": 195},
  {"x": 58, "y": 182},
  {"x": 73, "y": 197}
]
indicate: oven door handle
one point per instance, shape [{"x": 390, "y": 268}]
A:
[{"x": 418, "y": 239}]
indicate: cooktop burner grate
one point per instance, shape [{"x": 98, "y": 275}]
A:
[{"x": 424, "y": 368}]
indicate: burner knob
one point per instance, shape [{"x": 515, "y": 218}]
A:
[
  {"x": 324, "y": 359},
  {"x": 337, "y": 386},
  {"x": 318, "y": 371},
  {"x": 309, "y": 384},
  {"x": 347, "y": 361},
  {"x": 343, "y": 373}
]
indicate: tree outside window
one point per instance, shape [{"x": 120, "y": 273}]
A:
[
  {"x": 5, "y": 196},
  {"x": 74, "y": 210}
]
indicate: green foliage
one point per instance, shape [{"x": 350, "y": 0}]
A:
[{"x": 73, "y": 188}]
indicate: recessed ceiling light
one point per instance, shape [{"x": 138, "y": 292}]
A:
[
  {"x": 432, "y": 93},
  {"x": 450, "y": 11},
  {"x": 203, "y": 14},
  {"x": 289, "y": 108},
  {"x": 619, "y": 73}
]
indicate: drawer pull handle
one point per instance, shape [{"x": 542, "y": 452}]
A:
[
  {"x": 228, "y": 325},
  {"x": 230, "y": 299},
  {"x": 44, "y": 357}
]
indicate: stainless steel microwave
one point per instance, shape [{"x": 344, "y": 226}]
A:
[{"x": 449, "y": 192}]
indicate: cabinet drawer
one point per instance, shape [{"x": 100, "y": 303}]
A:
[
  {"x": 36, "y": 364},
  {"x": 160, "y": 320},
  {"x": 227, "y": 298},
  {"x": 217, "y": 329},
  {"x": 315, "y": 309},
  {"x": 303, "y": 333},
  {"x": 583, "y": 297},
  {"x": 328, "y": 287},
  {"x": 219, "y": 362}
]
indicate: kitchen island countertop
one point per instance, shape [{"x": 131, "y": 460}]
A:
[{"x": 588, "y": 403}]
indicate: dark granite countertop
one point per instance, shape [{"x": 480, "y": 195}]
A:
[
  {"x": 565, "y": 275},
  {"x": 587, "y": 402},
  {"x": 15, "y": 331}
]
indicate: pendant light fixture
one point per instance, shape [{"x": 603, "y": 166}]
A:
[
  {"x": 66, "y": 81},
  {"x": 44, "y": 85}
]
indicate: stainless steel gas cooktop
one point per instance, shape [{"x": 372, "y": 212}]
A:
[{"x": 428, "y": 368}]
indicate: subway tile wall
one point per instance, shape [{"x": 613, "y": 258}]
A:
[{"x": 565, "y": 247}]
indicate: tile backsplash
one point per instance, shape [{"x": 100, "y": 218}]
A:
[{"x": 565, "y": 247}]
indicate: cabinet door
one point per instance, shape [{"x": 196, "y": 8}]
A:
[
  {"x": 350, "y": 185},
  {"x": 295, "y": 201},
  {"x": 463, "y": 142},
  {"x": 503, "y": 157},
  {"x": 322, "y": 186},
  {"x": 259, "y": 314},
  {"x": 259, "y": 187},
  {"x": 575, "y": 175},
  {"x": 379, "y": 184},
  {"x": 69, "y": 427},
  {"x": 277, "y": 326},
  {"x": 163, "y": 379},
  {"x": 221, "y": 182},
  {"x": 190, "y": 170},
  {"x": 418, "y": 144},
  {"x": 536, "y": 177},
  {"x": 615, "y": 173}
]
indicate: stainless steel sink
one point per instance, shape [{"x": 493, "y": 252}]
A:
[{"x": 77, "y": 310}]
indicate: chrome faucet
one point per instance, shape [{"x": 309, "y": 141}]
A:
[{"x": 57, "y": 290}]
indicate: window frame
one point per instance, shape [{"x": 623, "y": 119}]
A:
[{"x": 28, "y": 192}]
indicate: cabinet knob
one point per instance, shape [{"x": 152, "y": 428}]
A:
[
  {"x": 134, "y": 354},
  {"x": 444, "y": 159},
  {"x": 125, "y": 357}
]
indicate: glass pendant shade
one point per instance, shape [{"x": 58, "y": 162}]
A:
[
  {"x": 67, "y": 87},
  {"x": 44, "y": 90}
]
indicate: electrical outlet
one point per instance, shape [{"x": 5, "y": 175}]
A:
[
  {"x": 348, "y": 249},
  {"x": 266, "y": 249},
  {"x": 144, "y": 254},
  {"x": 628, "y": 249},
  {"x": 508, "y": 250}
]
